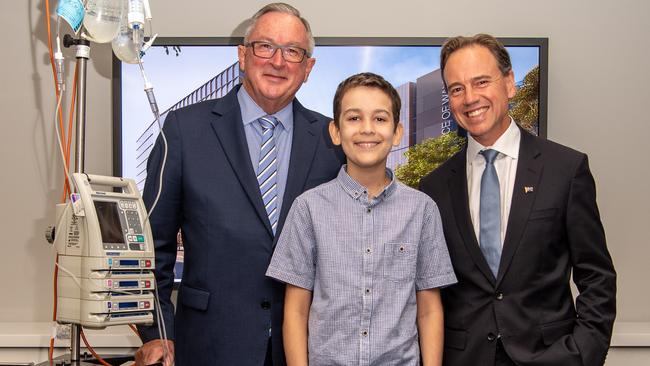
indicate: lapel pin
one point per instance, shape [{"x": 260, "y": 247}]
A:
[{"x": 528, "y": 189}]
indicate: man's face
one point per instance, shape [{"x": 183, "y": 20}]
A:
[
  {"x": 479, "y": 94},
  {"x": 272, "y": 83},
  {"x": 366, "y": 129}
]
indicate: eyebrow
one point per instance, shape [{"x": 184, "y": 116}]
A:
[
  {"x": 475, "y": 78},
  {"x": 358, "y": 110},
  {"x": 267, "y": 40}
]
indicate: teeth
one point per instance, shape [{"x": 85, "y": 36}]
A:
[
  {"x": 367, "y": 144},
  {"x": 476, "y": 112}
]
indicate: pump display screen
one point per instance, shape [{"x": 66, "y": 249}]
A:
[{"x": 109, "y": 222}]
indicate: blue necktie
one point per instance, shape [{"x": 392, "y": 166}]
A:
[
  {"x": 267, "y": 169},
  {"x": 490, "y": 213}
]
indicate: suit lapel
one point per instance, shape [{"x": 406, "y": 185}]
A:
[
  {"x": 529, "y": 172},
  {"x": 303, "y": 148},
  {"x": 460, "y": 203},
  {"x": 230, "y": 131}
]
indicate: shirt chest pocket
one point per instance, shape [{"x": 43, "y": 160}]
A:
[{"x": 399, "y": 261}]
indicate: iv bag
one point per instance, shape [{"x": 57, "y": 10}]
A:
[
  {"x": 123, "y": 44},
  {"x": 102, "y": 19}
]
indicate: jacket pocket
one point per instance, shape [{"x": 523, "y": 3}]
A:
[
  {"x": 399, "y": 261},
  {"x": 194, "y": 298},
  {"x": 456, "y": 339},
  {"x": 551, "y": 332}
]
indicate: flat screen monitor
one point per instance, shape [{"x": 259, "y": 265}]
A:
[{"x": 189, "y": 70}]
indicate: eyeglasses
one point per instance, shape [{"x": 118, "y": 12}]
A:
[
  {"x": 267, "y": 50},
  {"x": 457, "y": 90}
]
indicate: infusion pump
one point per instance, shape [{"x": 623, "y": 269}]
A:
[{"x": 106, "y": 254}]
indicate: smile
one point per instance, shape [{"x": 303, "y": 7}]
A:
[
  {"x": 367, "y": 145},
  {"x": 276, "y": 77},
  {"x": 476, "y": 112}
]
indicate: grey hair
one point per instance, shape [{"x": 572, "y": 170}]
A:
[{"x": 282, "y": 8}]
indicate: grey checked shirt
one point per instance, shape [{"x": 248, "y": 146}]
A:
[{"x": 363, "y": 260}]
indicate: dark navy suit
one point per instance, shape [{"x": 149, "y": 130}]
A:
[
  {"x": 554, "y": 232},
  {"x": 225, "y": 303}
]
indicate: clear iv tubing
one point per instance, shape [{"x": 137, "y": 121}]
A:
[
  {"x": 154, "y": 108},
  {"x": 148, "y": 88}
]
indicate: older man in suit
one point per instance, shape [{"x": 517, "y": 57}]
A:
[
  {"x": 520, "y": 217},
  {"x": 233, "y": 169}
]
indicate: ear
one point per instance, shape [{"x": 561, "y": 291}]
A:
[
  {"x": 335, "y": 133},
  {"x": 510, "y": 84},
  {"x": 241, "y": 55},
  {"x": 310, "y": 65},
  {"x": 397, "y": 136}
]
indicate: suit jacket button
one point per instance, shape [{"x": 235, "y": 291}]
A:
[
  {"x": 265, "y": 305},
  {"x": 491, "y": 337},
  {"x": 499, "y": 296}
]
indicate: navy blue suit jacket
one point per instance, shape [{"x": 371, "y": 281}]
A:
[
  {"x": 225, "y": 303},
  {"x": 554, "y": 232}
]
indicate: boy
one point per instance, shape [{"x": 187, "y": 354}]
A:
[{"x": 363, "y": 255}]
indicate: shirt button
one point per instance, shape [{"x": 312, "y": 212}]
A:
[
  {"x": 364, "y": 333},
  {"x": 499, "y": 296},
  {"x": 265, "y": 305},
  {"x": 367, "y": 290},
  {"x": 368, "y": 210},
  {"x": 368, "y": 250},
  {"x": 491, "y": 337}
]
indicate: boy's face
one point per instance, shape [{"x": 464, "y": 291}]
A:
[{"x": 366, "y": 129}]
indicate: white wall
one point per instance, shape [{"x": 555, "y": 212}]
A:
[{"x": 598, "y": 93}]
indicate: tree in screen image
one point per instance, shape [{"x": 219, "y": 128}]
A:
[
  {"x": 524, "y": 107},
  {"x": 426, "y": 156}
]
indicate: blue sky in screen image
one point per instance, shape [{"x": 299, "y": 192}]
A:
[
  {"x": 398, "y": 65},
  {"x": 175, "y": 77}
]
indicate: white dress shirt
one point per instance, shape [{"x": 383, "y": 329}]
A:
[{"x": 506, "y": 166}]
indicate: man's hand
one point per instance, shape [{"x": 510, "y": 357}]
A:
[{"x": 153, "y": 351}]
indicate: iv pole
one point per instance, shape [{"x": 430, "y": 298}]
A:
[{"x": 82, "y": 55}]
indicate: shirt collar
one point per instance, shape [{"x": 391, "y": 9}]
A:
[
  {"x": 251, "y": 112},
  {"x": 507, "y": 144},
  {"x": 357, "y": 191}
]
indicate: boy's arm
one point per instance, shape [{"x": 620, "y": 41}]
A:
[
  {"x": 430, "y": 326},
  {"x": 297, "y": 301}
]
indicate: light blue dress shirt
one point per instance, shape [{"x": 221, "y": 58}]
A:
[{"x": 283, "y": 134}]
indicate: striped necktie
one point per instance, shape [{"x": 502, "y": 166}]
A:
[
  {"x": 267, "y": 169},
  {"x": 490, "y": 213}
]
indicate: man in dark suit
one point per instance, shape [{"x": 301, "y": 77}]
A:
[
  {"x": 234, "y": 166},
  {"x": 520, "y": 218}
]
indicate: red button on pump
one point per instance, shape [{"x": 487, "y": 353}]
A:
[
  {"x": 147, "y": 304},
  {"x": 147, "y": 284},
  {"x": 147, "y": 263}
]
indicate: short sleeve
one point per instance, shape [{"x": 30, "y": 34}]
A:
[
  {"x": 434, "y": 269},
  {"x": 293, "y": 261}
]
